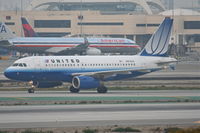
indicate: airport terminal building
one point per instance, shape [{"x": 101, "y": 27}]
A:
[{"x": 132, "y": 19}]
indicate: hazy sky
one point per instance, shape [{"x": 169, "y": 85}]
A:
[{"x": 16, "y": 4}]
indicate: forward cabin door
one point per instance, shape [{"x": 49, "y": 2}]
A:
[{"x": 39, "y": 68}]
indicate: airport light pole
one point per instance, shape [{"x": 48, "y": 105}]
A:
[{"x": 81, "y": 18}]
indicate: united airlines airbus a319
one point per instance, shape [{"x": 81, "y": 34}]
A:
[
  {"x": 63, "y": 46},
  {"x": 87, "y": 72}
]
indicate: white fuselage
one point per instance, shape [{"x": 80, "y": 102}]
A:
[
  {"x": 67, "y": 46},
  {"x": 43, "y": 67}
]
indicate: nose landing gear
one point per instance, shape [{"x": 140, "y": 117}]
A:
[{"x": 33, "y": 86}]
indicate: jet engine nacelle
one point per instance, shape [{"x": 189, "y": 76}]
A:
[
  {"x": 93, "y": 51},
  {"x": 46, "y": 84},
  {"x": 85, "y": 82}
]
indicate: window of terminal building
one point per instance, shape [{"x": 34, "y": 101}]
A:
[
  {"x": 141, "y": 25},
  {"x": 148, "y": 25},
  {"x": 101, "y": 23},
  {"x": 53, "y": 34},
  {"x": 152, "y": 25},
  {"x": 52, "y": 23},
  {"x": 191, "y": 24},
  {"x": 8, "y": 17},
  {"x": 103, "y": 7},
  {"x": 9, "y": 23}
]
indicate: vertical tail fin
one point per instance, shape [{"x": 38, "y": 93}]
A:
[
  {"x": 159, "y": 41},
  {"x": 28, "y": 30},
  {"x": 5, "y": 32}
]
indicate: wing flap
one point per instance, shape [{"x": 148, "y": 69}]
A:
[
  {"x": 74, "y": 50},
  {"x": 103, "y": 74}
]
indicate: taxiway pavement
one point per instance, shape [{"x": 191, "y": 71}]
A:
[
  {"x": 99, "y": 115},
  {"x": 111, "y": 93}
]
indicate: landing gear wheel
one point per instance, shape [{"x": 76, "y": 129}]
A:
[
  {"x": 102, "y": 89},
  {"x": 73, "y": 90},
  {"x": 31, "y": 90}
]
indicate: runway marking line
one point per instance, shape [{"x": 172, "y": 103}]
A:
[
  {"x": 141, "y": 99},
  {"x": 21, "y": 98}
]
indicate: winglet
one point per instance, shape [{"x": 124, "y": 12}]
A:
[
  {"x": 28, "y": 30},
  {"x": 159, "y": 41}
]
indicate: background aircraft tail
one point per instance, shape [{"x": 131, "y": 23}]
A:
[
  {"x": 5, "y": 32},
  {"x": 28, "y": 30},
  {"x": 159, "y": 41}
]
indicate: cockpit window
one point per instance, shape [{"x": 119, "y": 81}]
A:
[
  {"x": 24, "y": 64},
  {"x": 20, "y": 65},
  {"x": 15, "y": 64}
]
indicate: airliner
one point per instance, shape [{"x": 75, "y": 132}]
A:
[
  {"x": 87, "y": 72},
  {"x": 31, "y": 43}
]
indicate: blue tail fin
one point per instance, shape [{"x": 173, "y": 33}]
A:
[
  {"x": 28, "y": 30},
  {"x": 159, "y": 41}
]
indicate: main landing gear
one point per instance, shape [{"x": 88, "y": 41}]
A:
[
  {"x": 73, "y": 90},
  {"x": 102, "y": 89}
]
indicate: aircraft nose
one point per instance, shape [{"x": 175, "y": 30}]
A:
[{"x": 9, "y": 74}]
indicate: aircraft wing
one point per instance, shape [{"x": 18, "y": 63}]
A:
[
  {"x": 103, "y": 74},
  {"x": 73, "y": 50},
  {"x": 83, "y": 45},
  {"x": 67, "y": 51}
]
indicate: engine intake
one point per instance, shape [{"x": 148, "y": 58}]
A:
[{"x": 85, "y": 82}]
